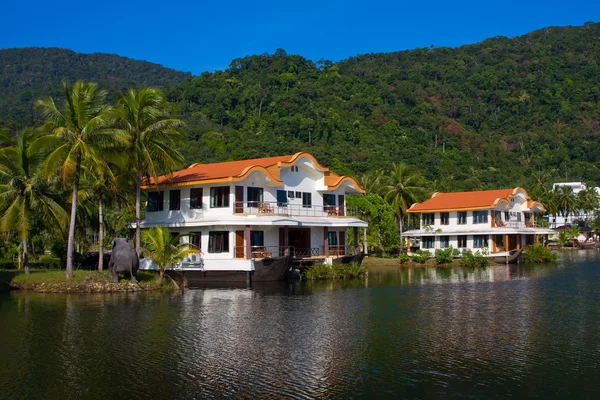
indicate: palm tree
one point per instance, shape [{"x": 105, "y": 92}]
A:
[
  {"x": 81, "y": 130},
  {"x": 588, "y": 200},
  {"x": 164, "y": 249},
  {"x": 404, "y": 187},
  {"x": 372, "y": 181},
  {"x": 24, "y": 194},
  {"x": 566, "y": 201},
  {"x": 151, "y": 140}
]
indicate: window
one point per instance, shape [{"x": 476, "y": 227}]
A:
[
  {"x": 444, "y": 242},
  {"x": 480, "y": 217},
  {"x": 329, "y": 199},
  {"x": 506, "y": 215},
  {"x": 197, "y": 239},
  {"x": 281, "y": 198},
  {"x": 155, "y": 201},
  {"x": 257, "y": 238},
  {"x": 428, "y": 218},
  {"x": 254, "y": 196},
  {"x": 444, "y": 218},
  {"x": 519, "y": 217},
  {"x": 462, "y": 218},
  {"x": 427, "y": 242},
  {"x": 219, "y": 197},
  {"x": 306, "y": 200},
  {"x": 480, "y": 241},
  {"x": 333, "y": 238},
  {"x": 462, "y": 241},
  {"x": 498, "y": 215},
  {"x": 174, "y": 199},
  {"x": 290, "y": 194},
  {"x": 196, "y": 198},
  {"x": 298, "y": 195},
  {"x": 218, "y": 242}
]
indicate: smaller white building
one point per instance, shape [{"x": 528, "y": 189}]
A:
[{"x": 497, "y": 220}]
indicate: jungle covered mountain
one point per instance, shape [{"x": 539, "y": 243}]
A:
[
  {"x": 30, "y": 73},
  {"x": 499, "y": 113}
]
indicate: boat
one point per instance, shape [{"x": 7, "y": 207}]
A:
[
  {"x": 265, "y": 270},
  {"x": 350, "y": 258},
  {"x": 510, "y": 258}
]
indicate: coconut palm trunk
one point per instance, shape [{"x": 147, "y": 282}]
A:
[
  {"x": 100, "y": 235},
  {"x": 25, "y": 256},
  {"x": 71, "y": 238},
  {"x": 400, "y": 230},
  {"x": 138, "y": 205}
]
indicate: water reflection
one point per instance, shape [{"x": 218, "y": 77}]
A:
[{"x": 502, "y": 331}]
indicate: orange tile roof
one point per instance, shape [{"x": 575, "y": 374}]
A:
[
  {"x": 463, "y": 200},
  {"x": 237, "y": 170}
]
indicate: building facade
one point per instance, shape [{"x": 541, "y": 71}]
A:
[{"x": 495, "y": 220}]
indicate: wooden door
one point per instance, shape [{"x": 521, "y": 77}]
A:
[
  {"x": 239, "y": 244},
  {"x": 239, "y": 200},
  {"x": 340, "y": 204},
  {"x": 342, "y": 243}
]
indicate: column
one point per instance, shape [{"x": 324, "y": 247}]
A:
[
  {"x": 506, "y": 243},
  {"x": 355, "y": 232},
  {"x": 248, "y": 244},
  {"x": 326, "y": 241},
  {"x": 286, "y": 240},
  {"x": 365, "y": 241}
]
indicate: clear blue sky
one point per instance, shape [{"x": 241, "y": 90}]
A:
[{"x": 199, "y": 36}]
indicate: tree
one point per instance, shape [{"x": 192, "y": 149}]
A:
[
  {"x": 588, "y": 200},
  {"x": 81, "y": 131},
  {"x": 402, "y": 188},
  {"x": 25, "y": 195},
  {"x": 566, "y": 200},
  {"x": 164, "y": 249},
  {"x": 151, "y": 140}
]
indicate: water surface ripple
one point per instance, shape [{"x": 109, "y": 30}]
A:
[{"x": 518, "y": 331}]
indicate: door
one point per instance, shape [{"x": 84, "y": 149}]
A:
[
  {"x": 281, "y": 198},
  {"x": 340, "y": 204},
  {"x": 342, "y": 244},
  {"x": 239, "y": 199},
  {"x": 239, "y": 244}
]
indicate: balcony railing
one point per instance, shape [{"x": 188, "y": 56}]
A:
[
  {"x": 296, "y": 210},
  {"x": 260, "y": 252},
  {"x": 515, "y": 224}
]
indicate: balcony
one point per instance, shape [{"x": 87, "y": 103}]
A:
[
  {"x": 274, "y": 208},
  {"x": 260, "y": 252},
  {"x": 516, "y": 224}
]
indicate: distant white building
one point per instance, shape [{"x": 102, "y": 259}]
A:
[{"x": 570, "y": 218}]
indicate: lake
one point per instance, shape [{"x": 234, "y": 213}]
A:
[{"x": 505, "y": 331}]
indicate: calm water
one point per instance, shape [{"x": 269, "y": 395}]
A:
[{"x": 499, "y": 332}]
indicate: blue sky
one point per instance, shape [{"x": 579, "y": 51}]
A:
[{"x": 199, "y": 36}]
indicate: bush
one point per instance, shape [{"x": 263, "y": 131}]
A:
[
  {"x": 446, "y": 256},
  {"x": 422, "y": 256},
  {"x": 351, "y": 270},
  {"x": 475, "y": 260},
  {"x": 538, "y": 254},
  {"x": 404, "y": 258},
  {"x": 318, "y": 272},
  {"x": 335, "y": 271}
]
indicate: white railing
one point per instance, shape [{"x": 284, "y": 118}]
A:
[{"x": 297, "y": 210}]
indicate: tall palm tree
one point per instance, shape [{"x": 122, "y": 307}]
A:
[
  {"x": 588, "y": 200},
  {"x": 151, "y": 142},
  {"x": 24, "y": 194},
  {"x": 402, "y": 188},
  {"x": 566, "y": 201},
  {"x": 164, "y": 249},
  {"x": 372, "y": 181},
  {"x": 81, "y": 130}
]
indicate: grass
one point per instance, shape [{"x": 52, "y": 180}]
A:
[{"x": 82, "y": 281}]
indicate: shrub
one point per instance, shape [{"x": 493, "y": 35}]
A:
[
  {"x": 475, "y": 260},
  {"x": 404, "y": 258},
  {"x": 351, "y": 270},
  {"x": 422, "y": 256},
  {"x": 319, "y": 271},
  {"x": 538, "y": 254},
  {"x": 445, "y": 256}
]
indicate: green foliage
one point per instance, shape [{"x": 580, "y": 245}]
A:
[
  {"x": 422, "y": 256},
  {"x": 478, "y": 259},
  {"x": 445, "y": 256},
  {"x": 538, "y": 254},
  {"x": 165, "y": 249},
  {"x": 563, "y": 238},
  {"x": 382, "y": 233},
  {"x": 335, "y": 271},
  {"x": 404, "y": 258}
]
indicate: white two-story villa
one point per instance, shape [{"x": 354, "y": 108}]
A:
[
  {"x": 248, "y": 215},
  {"x": 498, "y": 220}
]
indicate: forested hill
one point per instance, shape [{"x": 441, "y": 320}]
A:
[
  {"x": 29, "y": 73},
  {"x": 492, "y": 114}
]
